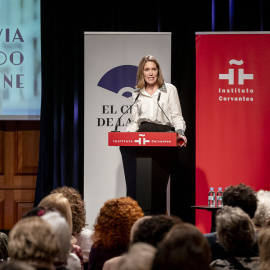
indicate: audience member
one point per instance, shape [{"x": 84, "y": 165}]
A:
[
  {"x": 60, "y": 203},
  {"x": 242, "y": 196},
  {"x": 262, "y": 214},
  {"x": 112, "y": 230},
  {"x": 154, "y": 229},
  {"x": 185, "y": 248},
  {"x": 264, "y": 248},
  {"x": 80, "y": 232},
  {"x": 236, "y": 234},
  {"x": 147, "y": 229},
  {"x": 32, "y": 240},
  {"x": 62, "y": 231},
  {"x": 139, "y": 257},
  {"x": 111, "y": 264},
  {"x": 3, "y": 247}
]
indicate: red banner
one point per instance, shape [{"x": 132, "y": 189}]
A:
[{"x": 232, "y": 114}]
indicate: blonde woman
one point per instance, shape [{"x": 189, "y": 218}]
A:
[
  {"x": 58, "y": 202},
  {"x": 80, "y": 232},
  {"x": 157, "y": 107}
]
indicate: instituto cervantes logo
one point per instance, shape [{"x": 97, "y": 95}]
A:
[{"x": 237, "y": 80}]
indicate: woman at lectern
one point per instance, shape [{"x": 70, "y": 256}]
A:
[{"x": 156, "y": 106}]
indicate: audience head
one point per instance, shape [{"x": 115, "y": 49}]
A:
[
  {"x": 58, "y": 202},
  {"x": 77, "y": 207},
  {"x": 135, "y": 226},
  {"x": 33, "y": 240},
  {"x": 242, "y": 196},
  {"x": 114, "y": 222},
  {"x": 262, "y": 214},
  {"x": 185, "y": 248},
  {"x": 264, "y": 248},
  {"x": 235, "y": 230},
  {"x": 139, "y": 257},
  {"x": 153, "y": 230},
  {"x": 62, "y": 231},
  {"x": 3, "y": 247}
]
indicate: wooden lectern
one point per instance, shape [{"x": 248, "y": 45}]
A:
[{"x": 147, "y": 159}]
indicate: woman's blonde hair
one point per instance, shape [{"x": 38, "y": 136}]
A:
[
  {"x": 140, "y": 78},
  {"x": 58, "y": 202},
  {"x": 77, "y": 207},
  {"x": 32, "y": 239}
]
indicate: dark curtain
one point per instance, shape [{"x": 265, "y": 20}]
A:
[{"x": 62, "y": 111}]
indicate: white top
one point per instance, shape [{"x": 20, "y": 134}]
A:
[
  {"x": 146, "y": 108},
  {"x": 73, "y": 262},
  {"x": 84, "y": 242}
]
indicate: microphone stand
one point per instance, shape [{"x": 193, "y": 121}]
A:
[{"x": 118, "y": 121}]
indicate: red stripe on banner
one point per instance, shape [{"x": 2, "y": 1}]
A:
[{"x": 232, "y": 114}]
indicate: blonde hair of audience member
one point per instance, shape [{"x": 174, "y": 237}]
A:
[
  {"x": 264, "y": 248},
  {"x": 139, "y": 257},
  {"x": 62, "y": 230},
  {"x": 33, "y": 240},
  {"x": 235, "y": 230},
  {"x": 262, "y": 214},
  {"x": 184, "y": 247},
  {"x": 77, "y": 206},
  {"x": 59, "y": 203}
]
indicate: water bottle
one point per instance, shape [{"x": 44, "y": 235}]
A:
[
  {"x": 211, "y": 197},
  {"x": 219, "y": 197}
]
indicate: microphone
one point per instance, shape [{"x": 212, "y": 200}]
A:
[
  {"x": 118, "y": 121},
  {"x": 162, "y": 109}
]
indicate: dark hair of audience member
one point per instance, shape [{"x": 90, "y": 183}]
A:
[
  {"x": 3, "y": 247},
  {"x": 185, "y": 248},
  {"x": 154, "y": 229},
  {"x": 242, "y": 196}
]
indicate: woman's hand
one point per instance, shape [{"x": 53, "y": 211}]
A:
[{"x": 181, "y": 140}]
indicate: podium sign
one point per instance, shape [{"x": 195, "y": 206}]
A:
[{"x": 166, "y": 139}]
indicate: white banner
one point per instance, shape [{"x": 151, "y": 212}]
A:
[{"x": 111, "y": 62}]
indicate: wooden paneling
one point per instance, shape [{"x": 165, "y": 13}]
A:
[{"x": 19, "y": 153}]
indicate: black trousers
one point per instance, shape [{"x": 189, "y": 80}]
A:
[{"x": 152, "y": 127}]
